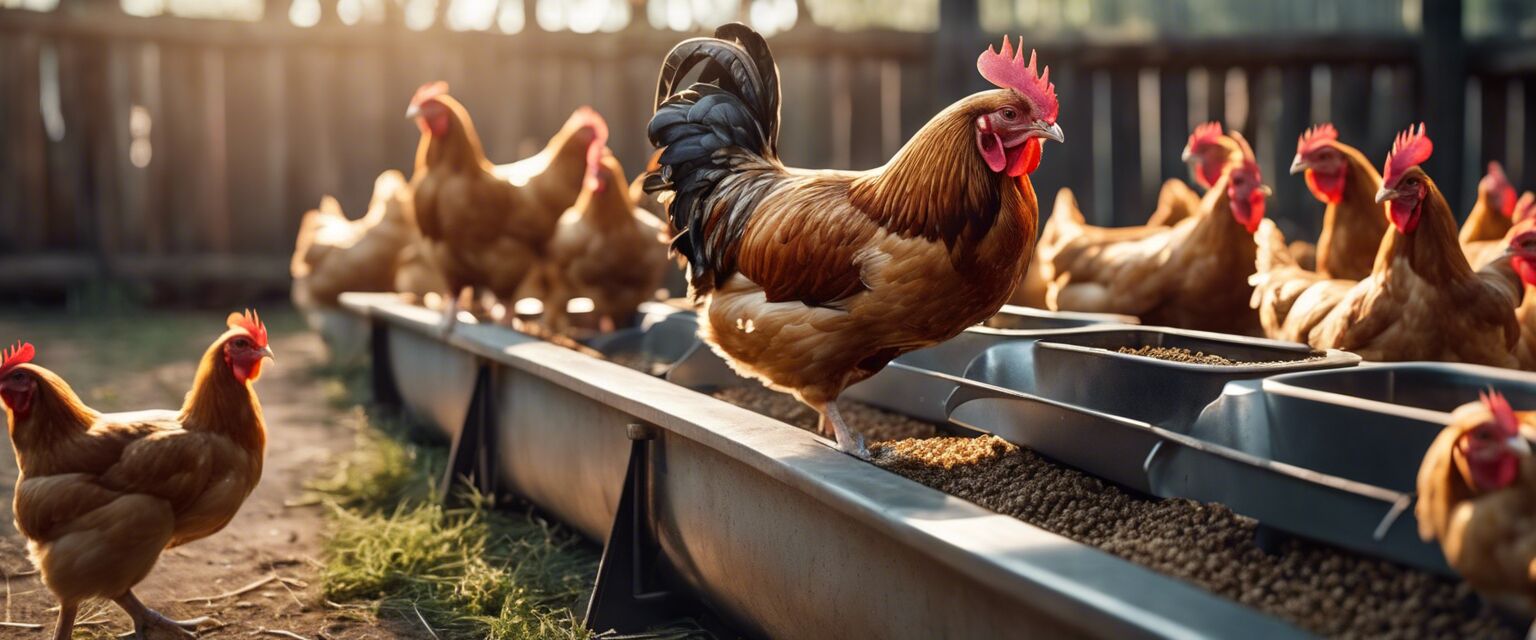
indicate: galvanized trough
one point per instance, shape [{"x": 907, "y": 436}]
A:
[{"x": 766, "y": 524}]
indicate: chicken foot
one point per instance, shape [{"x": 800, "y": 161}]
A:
[
  {"x": 65, "y": 629},
  {"x": 848, "y": 440},
  {"x": 145, "y": 620},
  {"x": 452, "y": 303}
]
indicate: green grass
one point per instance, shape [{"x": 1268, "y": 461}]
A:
[{"x": 468, "y": 571}]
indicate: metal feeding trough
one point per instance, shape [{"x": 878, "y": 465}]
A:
[
  {"x": 699, "y": 501},
  {"x": 1032, "y": 319},
  {"x": 344, "y": 334},
  {"x": 665, "y": 335},
  {"x": 1087, "y": 369}
]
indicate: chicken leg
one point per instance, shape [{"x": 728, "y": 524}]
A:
[
  {"x": 65, "y": 629},
  {"x": 146, "y": 619},
  {"x": 848, "y": 440}
]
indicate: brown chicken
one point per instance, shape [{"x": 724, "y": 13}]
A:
[
  {"x": 605, "y": 249},
  {"x": 1353, "y": 223},
  {"x": 1491, "y": 215},
  {"x": 484, "y": 226},
  {"x": 1484, "y": 233},
  {"x": 100, "y": 497},
  {"x": 334, "y": 254},
  {"x": 811, "y": 281},
  {"x": 1477, "y": 497},
  {"x": 1192, "y": 275},
  {"x": 1421, "y": 302}
]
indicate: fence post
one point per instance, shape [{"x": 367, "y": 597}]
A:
[
  {"x": 959, "y": 23},
  {"x": 1442, "y": 92}
]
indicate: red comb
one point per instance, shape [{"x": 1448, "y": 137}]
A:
[
  {"x": 429, "y": 91},
  {"x": 21, "y": 353},
  {"x": 1007, "y": 70},
  {"x": 1208, "y": 133},
  {"x": 1503, "y": 414},
  {"x": 1525, "y": 209},
  {"x": 591, "y": 118},
  {"x": 252, "y": 325},
  {"x": 1315, "y": 137},
  {"x": 1410, "y": 149},
  {"x": 1498, "y": 182}
]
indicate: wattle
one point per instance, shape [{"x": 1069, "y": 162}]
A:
[{"x": 1328, "y": 188}]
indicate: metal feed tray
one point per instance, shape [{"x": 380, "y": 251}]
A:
[
  {"x": 665, "y": 335},
  {"x": 1032, "y": 319},
  {"x": 1085, "y": 368}
]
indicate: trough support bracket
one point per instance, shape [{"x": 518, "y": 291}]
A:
[
  {"x": 626, "y": 597},
  {"x": 380, "y": 377},
  {"x": 472, "y": 456}
]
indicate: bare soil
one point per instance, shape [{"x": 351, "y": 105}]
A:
[{"x": 147, "y": 362}]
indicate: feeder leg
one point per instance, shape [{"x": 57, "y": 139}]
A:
[
  {"x": 848, "y": 440},
  {"x": 472, "y": 458},
  {"x": 385, "y": 393},
  {"x": 623, "y": 599}
]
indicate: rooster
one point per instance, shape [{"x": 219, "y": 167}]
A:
[
  {"x": 605, "y": 249},
  {"x": 1421, "y": 301},
  {"x": 1477, "y": 497},
  {"x": 100, "y": 497},
  {"x": 334, "y": 254},
  {"x": 1483, "y": 234},
  {"x": 1342, "y": 178},
  {"x": 1192, "y": 275},
  {"x": 486, "y": 226},
  {"x": 811, "y": 281}
]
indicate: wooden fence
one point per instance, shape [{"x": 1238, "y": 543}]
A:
[{"x": 181, "y": 153}]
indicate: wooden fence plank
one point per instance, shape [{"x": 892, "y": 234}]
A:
[
  {"x": 1124, "y": 128},
  {"x": 1173, "y": 121}
]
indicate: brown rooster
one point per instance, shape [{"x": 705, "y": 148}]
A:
[
  {"x": 486, "y": 226},
  {"x": 1421, "y": 302},
  {"x": 1353, "y": 223},
  {"x": 334, "y": 254},
  {"x": 814, "y": 280},
  {"x": 1192, "y": 275},
  {"x": 1492, "y": 214},
  {"x": 1477, "y": 497},
  {"x": 100, "y": 497},
  {"x": 605, "y": 249}
]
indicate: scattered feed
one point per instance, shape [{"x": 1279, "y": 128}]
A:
[
  {"x": 643, "y": 362},
  {"x": 1320, "y": 588},
  {"x": 1180, "y": 354}
]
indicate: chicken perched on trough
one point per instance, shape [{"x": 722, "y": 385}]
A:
[
  {"x": 1192, "y": 275},
  {"x": 1421, "y": 301},
  {"x": 811, "y": 281},
  {"x": 334, "y": 254},
  {"x": 1343, "y": 179},
  {"x": 604, "y": 249},
  {"x": 1477, "y": 498},
  {"x": 483, "y": 226},
  {"x": 99, "y": 497}
]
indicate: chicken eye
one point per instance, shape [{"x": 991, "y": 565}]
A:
[
  {"x": 242, "y": 343},
  {"x": 1009, "y": 113},
  {"x": 18, "y": 377}
]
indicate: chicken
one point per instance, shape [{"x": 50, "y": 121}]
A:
[
  {"x": 605, "y": 249},
  {"x": 1353, "y": 223},
  {"x": 1477, "y": 498},
  {"x": 99, "y": 497},
  {"x": 1421, "y": 301},
  {"x": 1490, "y": 218},
  {"x": 811, "y": 281},
  {"x": 1206, "y": 153},
  {"x": 1192, "y": 275},
  {"x": 334, "y": 254},
  {"x": 1482, "y": 236},
  {"x": 486, "y": 226}
]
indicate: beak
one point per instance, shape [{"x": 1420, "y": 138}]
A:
[
  {"x": 1050, "y": 132},
  {"x": 1518, "y": 444},
  {"x": 266, "y": 352},
  {"x": 412, "y": 111},
  {"x": 1187, "y": 155},
  {"x": 1266, "y": 190},
  {"x": 1298, "y": 165},
  {"x": 1384, "y": 194}
]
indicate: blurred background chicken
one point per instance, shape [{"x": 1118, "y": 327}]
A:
[
  {"x": 1477, "y": 498},
  {"x": 1422, "y": 300},
  {"x": 99, "y": 497},
  {"x": 334, "y": 254},
  {"x": 1192, "y": 275},
  {"x": 1492, "y": 213},
  {"x": 483, "y": 226},
  {"x": 811, "y": 281},
  {"x": 604, "y": 249},
  {"x": 1345, "y": 180}
]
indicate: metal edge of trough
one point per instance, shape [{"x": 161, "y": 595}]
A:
[{"x": 1070, "y": 586}]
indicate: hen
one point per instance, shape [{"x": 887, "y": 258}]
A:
[
  {"x": 1192, "y": 275},
  {"x": 1421, "y": 302},
  {"x": 1353, "y": 223},
  {"x": 605, "y": 249},
  {"x": 99, "y": 497},
  {"x": 1477, "y": 497},
  {"x": 1483, "y": 234},
  {"x": 486, "y": 226},
  {"x": 811, "y": 281},
  {"x": 334, "y": 254}
]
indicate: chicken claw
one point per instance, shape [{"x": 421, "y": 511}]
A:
[
  {"x": 149, "y": 624},
  {"x": 848, "y": 440}
]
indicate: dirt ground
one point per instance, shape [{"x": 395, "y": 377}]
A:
[{"x": 147, "y": 362}]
